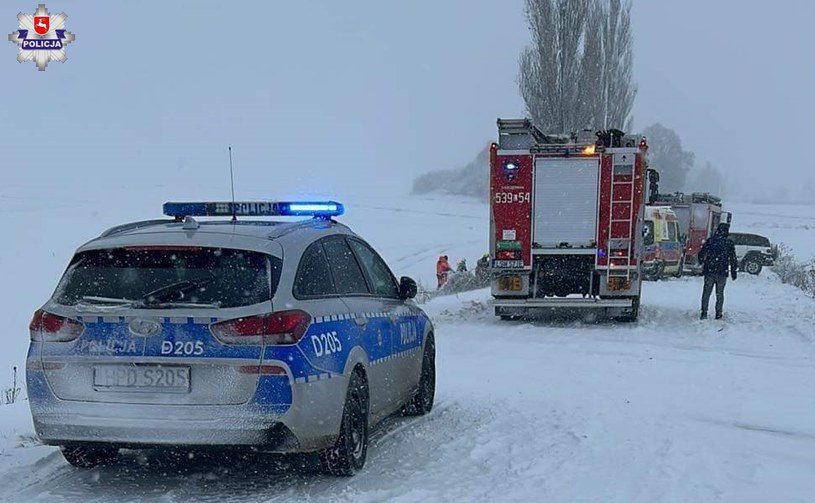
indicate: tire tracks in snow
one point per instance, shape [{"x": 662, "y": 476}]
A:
[{"x": 159, "y": 477}]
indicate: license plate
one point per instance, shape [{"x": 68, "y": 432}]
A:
[
  {"x": 510, "y": 283},
  {"x": 507, "y": 264},
  {"x": 141, "y": 378}
]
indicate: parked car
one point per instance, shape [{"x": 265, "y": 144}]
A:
[
  {"x": 274, "y": 336},
  {"x": 753, "y": 251}
]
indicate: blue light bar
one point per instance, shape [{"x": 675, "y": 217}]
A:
[{"x": 254, "y": 209}]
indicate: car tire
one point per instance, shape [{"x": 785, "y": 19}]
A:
[
  {"x": 423, "y": 399},
  {"x": 347, "y": 456},
  {"x": 752, "y": 266},
  {"x": 660, "y": 271},
  {"x": 89, "y": 457}
]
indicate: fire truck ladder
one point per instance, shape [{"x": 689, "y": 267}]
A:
[{"x": 622, "y": 265}]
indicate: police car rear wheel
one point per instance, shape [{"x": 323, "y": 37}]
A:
[
  {"x": 348, "y": 454},
  {"x": 89, "y": 457},
  {"x": 422, "y": 401}
]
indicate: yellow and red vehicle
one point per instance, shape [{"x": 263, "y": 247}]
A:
[
  {"x": 663, "y": 249},
  {"x": 699, "y": 214},
  {"x": 566, "y": 221}
]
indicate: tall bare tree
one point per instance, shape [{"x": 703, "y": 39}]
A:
[
  {"x": 551, "y": 66},
  {"x": 577, "y": 71},
  {"x": 618, "y": 58}
]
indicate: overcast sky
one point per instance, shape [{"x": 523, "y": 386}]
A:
[{"x": 363, "y": 95}]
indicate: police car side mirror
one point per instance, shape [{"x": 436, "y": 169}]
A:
[{"x": 407, "y": 288}]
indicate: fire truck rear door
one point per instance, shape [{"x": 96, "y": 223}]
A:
[{"x": 565, "y": 201}]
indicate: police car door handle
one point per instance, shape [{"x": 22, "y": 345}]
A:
[{"x": 361, "y": 320}]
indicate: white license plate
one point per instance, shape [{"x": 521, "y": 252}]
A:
[{"x": 141, "y": 378}]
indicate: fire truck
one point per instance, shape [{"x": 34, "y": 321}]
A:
[
  {"x": 566, "y": 221},
  {"x": 699, "y": 214}
]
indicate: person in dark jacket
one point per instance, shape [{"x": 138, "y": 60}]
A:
[{"x": 717, "y": 255}]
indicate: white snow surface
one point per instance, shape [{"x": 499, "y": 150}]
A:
[{"x": 668, "y": 409}]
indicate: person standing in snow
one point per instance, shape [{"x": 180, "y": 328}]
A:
[
  {"x": 482, "y": 269},
  {"x": 717, "y": 255},
  {"x": 442, "y": 270}
]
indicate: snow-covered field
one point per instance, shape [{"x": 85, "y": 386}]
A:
[{"x": 668, "y": 409}]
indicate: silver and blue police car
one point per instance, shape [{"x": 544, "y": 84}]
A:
[{"x": 279, "y": 336}]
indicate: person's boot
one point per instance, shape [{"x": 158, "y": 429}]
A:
[
  {"x": 704, "y": 315},
  {"x": 718, "y": 316}
]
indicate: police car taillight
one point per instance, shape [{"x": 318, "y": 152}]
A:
[
  {"x": 47, "y": 327},
  {"x": 285, "y": 327}
]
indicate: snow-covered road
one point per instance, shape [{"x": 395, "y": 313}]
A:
[{"x": 668, "y": 409}]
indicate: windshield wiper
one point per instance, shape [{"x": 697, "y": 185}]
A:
[
  {"x": 102, "y": 304},
  {"x": 182, "y": 287},
  {"x": 171, "y": 305},
  {"x": 92, "y": 299}
]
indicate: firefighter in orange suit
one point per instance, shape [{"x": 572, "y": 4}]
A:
[{"x": 442, "y": 270}]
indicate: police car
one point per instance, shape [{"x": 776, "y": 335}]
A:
[{"x": 279, "y": 336}]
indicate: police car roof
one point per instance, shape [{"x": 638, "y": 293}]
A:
[{"x": 249, "y": 234}]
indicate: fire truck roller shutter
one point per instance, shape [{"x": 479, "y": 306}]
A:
[{"x": 565, "y": 205}]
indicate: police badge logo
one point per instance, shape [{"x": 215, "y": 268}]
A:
[{"x": 42, "y": 37}]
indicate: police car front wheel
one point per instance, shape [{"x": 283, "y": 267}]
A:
[{"x": 422, "y": 401}]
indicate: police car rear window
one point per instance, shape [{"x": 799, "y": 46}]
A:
[{"x": 170, "y": 277}]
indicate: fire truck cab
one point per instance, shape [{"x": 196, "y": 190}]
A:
[{"x": 566, "y": 221}]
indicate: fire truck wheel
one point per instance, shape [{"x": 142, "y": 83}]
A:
[{"x": 632, "y": 317}]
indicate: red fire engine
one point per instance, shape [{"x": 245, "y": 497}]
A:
[
  {"x": 699, "y": 215},
  {"x": 566, "y": 221}
]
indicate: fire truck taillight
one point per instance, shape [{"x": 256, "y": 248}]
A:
[
  {"x": 508, "y": 255},
  {"x": 616, "y": 284}
]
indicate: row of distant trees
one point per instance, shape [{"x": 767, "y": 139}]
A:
[
  {"x": 576, "y": 74},
  {"x": 676, "y": 166}
]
